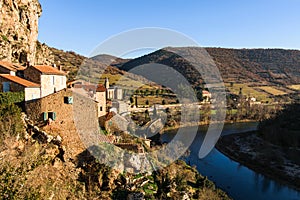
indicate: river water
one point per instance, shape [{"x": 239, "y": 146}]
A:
[{"x": 237, "y": 180}]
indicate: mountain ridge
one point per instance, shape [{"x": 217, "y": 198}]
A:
[{"x": 267, "y": 66}]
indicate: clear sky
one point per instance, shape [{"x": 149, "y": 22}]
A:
[{"x": 80, "y": 25}]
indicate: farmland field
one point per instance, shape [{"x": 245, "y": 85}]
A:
[
  {"x": 272, "y": 90},
  {"x": 123, "y": 81},
  {"x": 248, "y": 91}
]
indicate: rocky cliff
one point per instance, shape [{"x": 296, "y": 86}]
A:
[{"x": 19, "y": 32}]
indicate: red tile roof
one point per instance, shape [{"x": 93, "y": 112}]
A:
[
  {"x": 11, "y": 66},
  {"x": 101, "y": 88},
  {"x": 45, "y": 69},
  {"x": 205, "y": 92},
  {"x": 19, "y": 80}
]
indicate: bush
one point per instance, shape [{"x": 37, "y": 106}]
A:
[
  {"x": 10, "y": 121},
  {"x": 11, "y": 97}
]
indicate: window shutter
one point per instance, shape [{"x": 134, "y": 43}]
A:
[
  {"x": 45, "y": 116},
  {"x": 70, "y": 100},
  {"x": 54, "y": 116}
]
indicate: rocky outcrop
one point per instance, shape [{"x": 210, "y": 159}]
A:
[
  {"x": 19, "y": 31},
  {"x": 43, "y": 55}
]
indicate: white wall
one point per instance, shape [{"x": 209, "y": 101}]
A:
[
  {"x": 32, "y": 93},
  {"x": 52, "y": 83},
  {"x": 101, "y": 99}
]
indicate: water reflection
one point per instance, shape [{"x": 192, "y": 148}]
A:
[{"x": 237, "y": 180}]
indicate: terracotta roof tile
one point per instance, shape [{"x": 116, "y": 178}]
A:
[
  {"x": 11, "y": 66},
  {"x": 19, "y": 80},
  {"x": 205, "y": 92},
  {"x": 45, "y": 69},
  {"x": 101, "y": 88}
]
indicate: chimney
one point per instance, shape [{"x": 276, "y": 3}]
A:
[
  {"x": 28, "y": 63},
  {"x": 59, "y": 67}
]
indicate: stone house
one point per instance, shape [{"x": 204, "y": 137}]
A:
[
  {"x": 120, "y": 106},
  {"x": 11, "y": 68},
  {"x": 113, "y": 92},
  {"x": 57, "y": 106},
  {"x": 10, "y": 83},
  {"x": 92, "y": 91},
  {"x": 206, "y": 95},
  {"x": 50, "y": 78},
  {"x": 100, "y": 98}
]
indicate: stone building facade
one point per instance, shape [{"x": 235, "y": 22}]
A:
[
  {"x": 11, "y": 68},
  {"x": 113, "y": 92},
  {"x": 50, "y": 78},
  {"x": 100, "y": 97},
  {"x": 53, "y": 106},
  {"x": 9, "y": 83}
]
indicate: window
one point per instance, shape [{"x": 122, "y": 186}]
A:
[
  {"x": 52, "y": 115},
  {"x": 68, "y": 100},
  {"x": 49, "y": 115},
  {"x": 101, "y": 109},
  {"x": 53, "y": 80},
  {"x": 6, "y": 86}
]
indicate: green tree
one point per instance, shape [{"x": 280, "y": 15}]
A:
[{"x": 10, "y": 121}]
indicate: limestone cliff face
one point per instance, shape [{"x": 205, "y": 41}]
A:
[{"x": 19, "y": 32}]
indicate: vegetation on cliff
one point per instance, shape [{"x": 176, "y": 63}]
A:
[
  {"x": 284, "y": 128},
  {"x": 35, "y": 166}
]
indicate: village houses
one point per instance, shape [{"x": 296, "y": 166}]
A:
[{"x": 45, "y": 90}]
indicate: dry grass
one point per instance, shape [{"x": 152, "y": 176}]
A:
[
  {"x": 123, "y": 81},
  {"x": 248, "y": 91},
  {"x": 294, "y": 87},
  {"x": 155, "y": 100},
  {"x": 272, "y": 90}
]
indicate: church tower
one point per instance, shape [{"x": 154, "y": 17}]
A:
[{"x": 106, "y": 83}]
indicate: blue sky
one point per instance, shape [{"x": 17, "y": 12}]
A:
[{"x": 80, "y": 25}]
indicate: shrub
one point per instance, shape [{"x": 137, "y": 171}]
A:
[
  {"x": 10, "y": 121},
  {"x": 11, "y": 97},
  {"x": 4, "y": 38}
]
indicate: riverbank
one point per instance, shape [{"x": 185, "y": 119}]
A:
[
  {"x": 201, "y": 123},
  {"x": 280, "y": 164}
]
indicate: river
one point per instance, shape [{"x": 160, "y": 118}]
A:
[{"x": 240, "y": 182}]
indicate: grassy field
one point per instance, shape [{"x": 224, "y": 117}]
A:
[
  {"x": 272, "y": 90},
  {"x": 155, "y": 100},
  {"x": 294, "y": 87},
  {"x": 123, "y": 81},
  {"x": 248, "y": 91}
]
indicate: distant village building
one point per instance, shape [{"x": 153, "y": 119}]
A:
[
  {"x": 206, "y": 95},
  {"x": 113, "y": 92},
  {"x": 119, "y": 106},
  {"x": 100, "y": 97}
]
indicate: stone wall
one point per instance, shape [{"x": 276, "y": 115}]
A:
[
  {"x": 52, "y": 103},
  {"x": 13, "y": 86},
  {"x": 32, "y": 75},
  {"x": 4, "y": 70}
]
